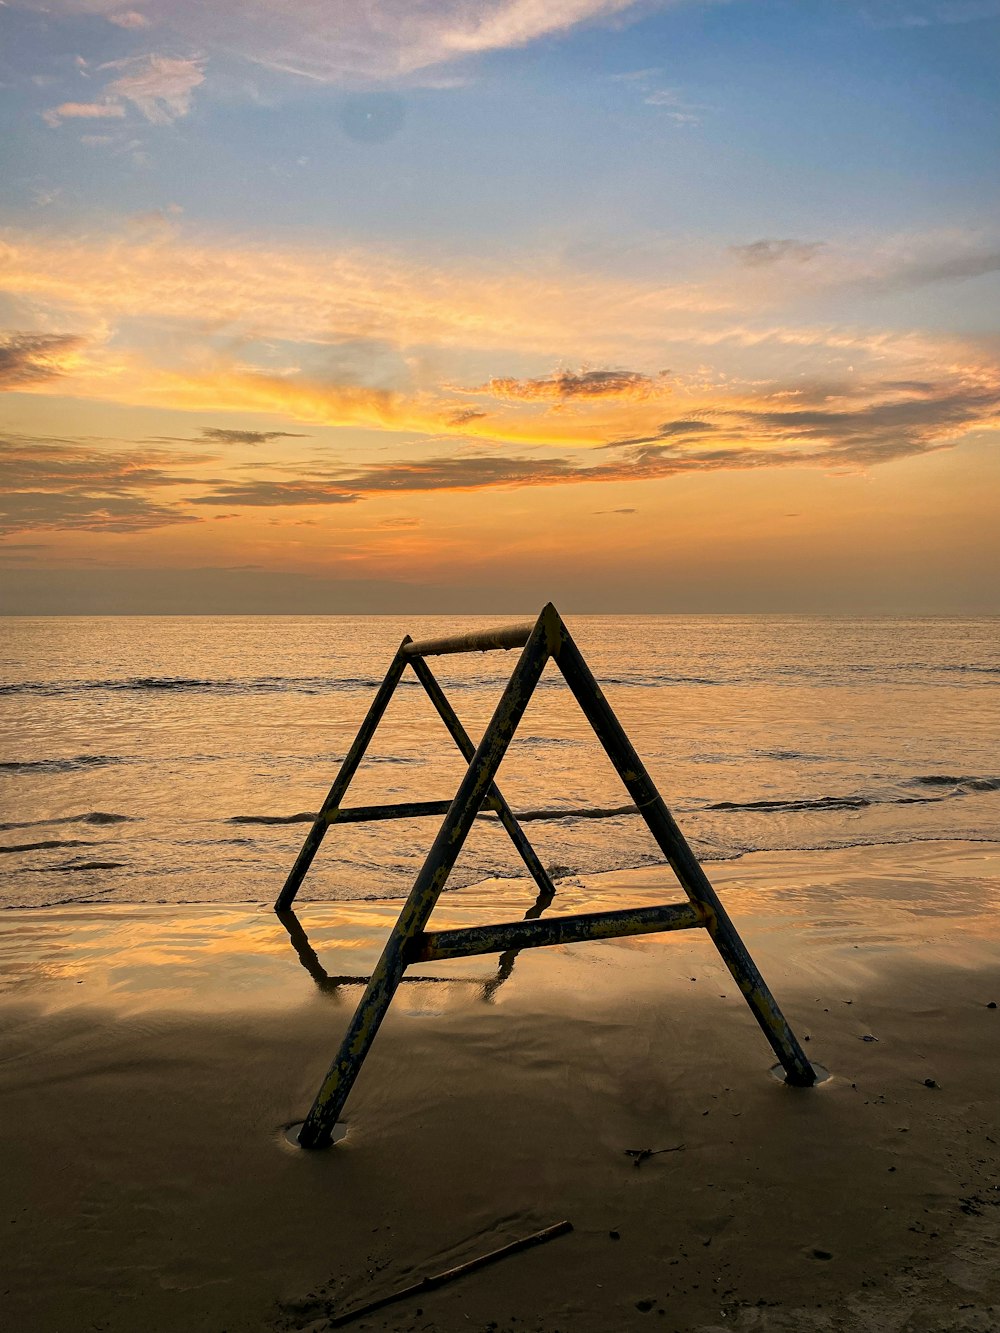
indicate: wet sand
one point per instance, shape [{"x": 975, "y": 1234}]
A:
[{"x": 151, "y": 1058}]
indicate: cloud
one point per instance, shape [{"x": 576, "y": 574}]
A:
[
  {"x": 343, "y": 42},
  {"x": 221, "y": 435},
  {"x": 586, "y": 384},
  {"x": 947, "y": 268},
  {"x": 159, "y": 86},
  {"x": 30, "y": 358},
  {"x": 51, "y": 484},
  {"x": 690, "y": 426},
  {"x": 412, "y": 329},
  {"x": 760, "y": 254},
  {"x": 26, "y": 511},
  {"x": 129, "y": 18},
  {"x": 748, "y": 438},
  {"x": 463, "y": 416},
  {"x": 867, "y": 264},
  {"x": 673, "y": 103},
  {"x": 338, "y": 291},
  {"x": 675, "y": 107},
  {"x": 398, "y": 522},
  {"x": 71, "y": 485},
  {"x": 927, "y": 13},
  {"x": 83, "y": 111},
  {"x": 879, "y": 431},
  {"x": 882, "y": 431}
]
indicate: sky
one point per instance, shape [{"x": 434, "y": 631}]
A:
[{"x": 467, "y": 305}]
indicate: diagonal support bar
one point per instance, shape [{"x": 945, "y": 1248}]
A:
[
  {"x": 436, "y": 944},
  {"x": 685, "y": 864},
  {"x": 342, "y": 781},
  {"x": 317, "y": 1129}
]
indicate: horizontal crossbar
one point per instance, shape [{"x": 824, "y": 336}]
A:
[
  {"x": 435, "y": 944},
  {"x": 480, "y": 641},
  {"x": 362, "y": 814}
]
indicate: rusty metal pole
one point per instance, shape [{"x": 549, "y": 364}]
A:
[
  {"x": 672, "y": 843},
  {"x": 317, "y": 1130},
  {"x": 343, "y": 779}
]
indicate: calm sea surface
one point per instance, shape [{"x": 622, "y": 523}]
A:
[{"x": 160, "y": 759}]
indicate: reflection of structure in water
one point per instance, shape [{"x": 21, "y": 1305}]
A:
[
  {"x": 309, "y": 959},
  {"x": 506, "y": 966}
]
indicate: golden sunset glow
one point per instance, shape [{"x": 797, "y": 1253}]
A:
[{"x": 345, "y": 375}]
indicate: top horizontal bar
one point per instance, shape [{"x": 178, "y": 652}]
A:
[{"x": 480, "y": 641}]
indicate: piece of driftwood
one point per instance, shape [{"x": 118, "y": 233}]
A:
[
  {"x": 639, "y": 1155},
  {"x": 449, "y": 1275}
]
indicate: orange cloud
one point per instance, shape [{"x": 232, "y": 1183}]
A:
[
  {"x": 412, "y": 325},
  {"x": 28, "y": 359},
  {"x": 325, "y": 293},
  {"x": 83, "y": 111}
]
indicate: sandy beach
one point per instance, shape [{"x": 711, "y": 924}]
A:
[{"x": 152, "y": 1057}]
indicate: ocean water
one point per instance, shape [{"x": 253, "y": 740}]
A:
[{"x": 177, "y": 759}]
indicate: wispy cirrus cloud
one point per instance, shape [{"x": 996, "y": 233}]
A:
[
  {"x": 69, "y": 485},
  {"x": 464, "y": 416},
  {"x": 764, "y": 253},
  {"x": 752, "y": 437},
  {"x": 871, "y": 265},
  {"x": 223, "y": 435},
  {"x": 584, "y": 384},
  {"x": 27, "y": 359},
  {"x": 899, "y": 421},
  {"x": 39, "y": 511},
  {"x": 329, "y": 293},
  {"x": 76, "y": 485},
  {"x": 675, "y": 104},
  {"x": 160, "y": 87},
  {"x": 927, "y": 13},
  {"x": 337, "y": 41},
  {"x": 353, "y": 336}
]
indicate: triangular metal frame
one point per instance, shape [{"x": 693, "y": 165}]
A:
[{"x": 410, "y": 942}]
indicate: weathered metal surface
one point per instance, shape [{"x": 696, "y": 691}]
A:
[
  {"x": 433, "y": 945},
  {"x": 427, "y": 887},
  {"x": 480, "y": 641},
  {"x": 343, "y": 780},
  {"x": 685, "y": 864}
]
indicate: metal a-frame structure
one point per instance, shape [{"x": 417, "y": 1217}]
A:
[{"x": 410, "y": 941}]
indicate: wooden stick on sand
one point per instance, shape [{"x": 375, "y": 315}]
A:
[{"x": 439, "y": 1279}]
